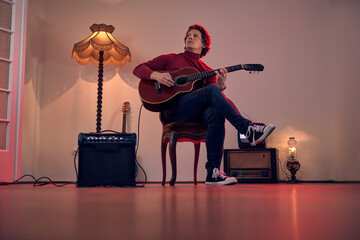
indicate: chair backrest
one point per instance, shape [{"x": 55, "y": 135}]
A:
[{"x": 164, "y": 117}]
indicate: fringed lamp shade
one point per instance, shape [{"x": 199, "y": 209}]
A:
[{"x": 101, "y": 40}]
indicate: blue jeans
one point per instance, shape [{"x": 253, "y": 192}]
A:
[{"x": 210, "y": 107}]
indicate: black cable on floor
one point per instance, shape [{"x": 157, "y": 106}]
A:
[{"x": 37, "y": 182}]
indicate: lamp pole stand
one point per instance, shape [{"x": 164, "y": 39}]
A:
[{"x": 99, "y": 93}]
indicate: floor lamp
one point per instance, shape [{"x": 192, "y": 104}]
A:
[{"x": 101, "y": 48}]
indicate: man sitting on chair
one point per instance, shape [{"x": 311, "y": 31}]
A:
[{"x": 207, "y": 104}]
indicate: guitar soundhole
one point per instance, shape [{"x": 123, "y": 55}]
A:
[{"x": 181, "y": 80}]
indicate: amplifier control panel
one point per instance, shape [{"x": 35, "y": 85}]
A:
[{"x": 90, "y": 138}]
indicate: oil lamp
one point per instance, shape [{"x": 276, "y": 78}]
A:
[{"x": 292, "y": 164}]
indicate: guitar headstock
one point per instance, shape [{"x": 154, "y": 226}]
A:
[
  {"x": 253, "y": 67},
  {"x": 126, "y": 107}
]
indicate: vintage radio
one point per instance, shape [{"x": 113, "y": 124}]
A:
[{"x": 252, "y": 165}]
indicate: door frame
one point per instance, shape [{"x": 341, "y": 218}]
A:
[{"x": 10, "y": 158}]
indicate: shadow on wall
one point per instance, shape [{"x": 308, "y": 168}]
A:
[
  {"x": 52, "y": 70},
  {"x": 304, "y": 140},
  {"x": 49, "y": 65}
]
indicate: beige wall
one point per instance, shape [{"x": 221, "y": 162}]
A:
[{"x": 309, "y": 87}]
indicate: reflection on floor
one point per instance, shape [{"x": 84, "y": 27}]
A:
[{"x": 242, "y": 211}]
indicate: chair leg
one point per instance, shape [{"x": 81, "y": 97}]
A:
[
  {"x": 196, "y": 161},
  {"x": 163, "y": 160},
  {"x": 172, "y": 152}
]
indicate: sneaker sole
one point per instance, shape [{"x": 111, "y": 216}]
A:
[
  {"x": 267, "y": 131},
  {"x": 229, "y": 181}
]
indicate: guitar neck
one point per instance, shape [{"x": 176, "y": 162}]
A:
[
  {"x": 124, "y": 123},
  {"x": 212, "y": 72}
]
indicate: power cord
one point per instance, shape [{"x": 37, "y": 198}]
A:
[
  {"x": 283, "y": 167},
  {"x": 137, "y": 147},
  {"x": 37, "y": 182},
  {"x": 76, "y": 171},
  {"x": 18, "y": 180}
]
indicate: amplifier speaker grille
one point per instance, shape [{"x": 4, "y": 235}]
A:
[{"x": 106, "y": 160}]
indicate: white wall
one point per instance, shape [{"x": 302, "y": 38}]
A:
[{"x": 309, "y": 87}]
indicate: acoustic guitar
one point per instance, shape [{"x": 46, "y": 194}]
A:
[{"x": 157, "y": 98}]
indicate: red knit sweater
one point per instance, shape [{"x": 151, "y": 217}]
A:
[{"x": 172, "y": 62}]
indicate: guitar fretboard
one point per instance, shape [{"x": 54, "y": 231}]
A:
[
  {"x": 124, "y": 123},
  {"x": 212, "y": 73}
]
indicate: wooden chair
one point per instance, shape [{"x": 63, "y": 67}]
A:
[{"x": 180, "y": 132}]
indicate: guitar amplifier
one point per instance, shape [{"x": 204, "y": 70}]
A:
[
  {"x": 252, "y": 165},
  {"x": 106, "y": 159}
]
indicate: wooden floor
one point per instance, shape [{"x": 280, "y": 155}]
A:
[{"x": 242, "y": 211}]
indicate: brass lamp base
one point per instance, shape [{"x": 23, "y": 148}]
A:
[{"x": 293, "y": 166}]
